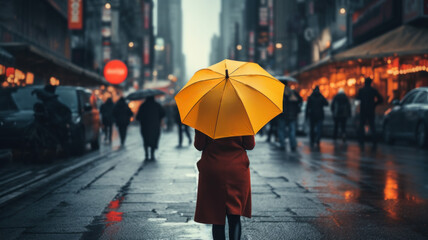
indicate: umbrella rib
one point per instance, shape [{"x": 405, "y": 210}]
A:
[
  {"x": 204, "y": 81},
  {"x": 218, "y": 113},
  {"x": 236, "y": 92},
  {"x": 200, "y": 100},
  {"x": 257, "y": 91},
  {"x": 244, "y": 75},
  {"x": 212, "y": 70},
  {"x": 238, "y": 68}
]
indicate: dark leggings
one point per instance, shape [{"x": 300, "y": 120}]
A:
[{"x": 234, "y": 229}]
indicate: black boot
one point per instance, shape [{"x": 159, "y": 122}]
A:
[
  {"x": 146, "y": 152},
  {"x": 234, "y": 227},
  {"x": 152, "y": 154},
  {"x": 218, "y": 232}
]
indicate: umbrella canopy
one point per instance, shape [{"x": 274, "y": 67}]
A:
[
  {"x": 144, "y": 93},
  {"x": 230, "y": 98}
]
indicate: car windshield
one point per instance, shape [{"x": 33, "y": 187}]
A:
[
  {"x": 69, "y": 98},
  {"x": 22, "y": 99}
]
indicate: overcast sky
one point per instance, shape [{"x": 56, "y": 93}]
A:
[{"x": 200, "y": 23}]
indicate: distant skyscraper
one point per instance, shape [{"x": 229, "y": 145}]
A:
[
  {"x": 169, "y": 34},
  {"x": 232, "y": 13},
  {"x": 147, "y": 40},
  {"x": 163, "y": 40},
  {"x": 176, "y": 22},
  {"x": 215, "y": 55}
]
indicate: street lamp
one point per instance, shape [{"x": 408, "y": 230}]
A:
[
  {"x": 107, "y": 5},
  {"x": 342, "y": 11},
  {"x": 131, "y": 44},
  {"x": 278, "y": 45},
  {"x": 239, "y": 47}
]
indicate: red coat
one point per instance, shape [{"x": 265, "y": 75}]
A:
[{"x": 224, "y": 178}]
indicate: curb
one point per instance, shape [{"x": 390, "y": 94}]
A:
[{"x": 40, "y": 182}]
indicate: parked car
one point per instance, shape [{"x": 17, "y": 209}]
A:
[
  {"x": 408, "y": 118},
  {"x": 16, "y": 115}
]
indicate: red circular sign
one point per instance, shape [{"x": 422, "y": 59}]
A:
[{"x": 115, "y": 72}]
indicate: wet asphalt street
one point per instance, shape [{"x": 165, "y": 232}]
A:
[{"x": 335, "y": 192}]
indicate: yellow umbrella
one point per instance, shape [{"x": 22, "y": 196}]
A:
[{"x": 230, "y": 98}]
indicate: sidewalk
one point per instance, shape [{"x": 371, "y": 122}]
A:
[
  {"x": 302, "y": 195},
  {"x": 159, "y": 200},
  {"x": 336, "y": 192}
]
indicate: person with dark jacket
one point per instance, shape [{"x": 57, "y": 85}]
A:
[
  {"x": 292, "y": 103},
  {"x": 181, "y": 128},
  {"x": 272, "y": 131},
  {"x": 369, "y": 98},
  {"x": 106, "y": 111},
  {"x": 121, "y": 115},
  {"x": 341, "y": 111},
  {"x": 57, "y": 114},
  {"x": 150, "y": 115},
  {"x": 315, "y": 114}
]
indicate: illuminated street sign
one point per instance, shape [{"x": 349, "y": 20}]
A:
[{"x": 115, "y": 72}]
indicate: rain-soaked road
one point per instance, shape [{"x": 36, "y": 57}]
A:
[{"x": 335, "y": 192}]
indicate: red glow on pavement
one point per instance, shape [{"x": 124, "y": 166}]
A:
[
  {"x": 114, "y": 204},
  {"x": 391, "y": 186},
  {"x": 114, "y": 216},
  {"x": 350, "y": 195},
  {"x": 391, "y": 192}
]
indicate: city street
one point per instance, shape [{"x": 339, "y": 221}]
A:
[
  {"x": 335, "y": 192},
  {"x": 82, "y": 83}
]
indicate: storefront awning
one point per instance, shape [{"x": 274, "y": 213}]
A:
[
  {"x": 42, "y": 63},
  {"x": 404, "y": 40},
  {"x": 312, "y": 66}
]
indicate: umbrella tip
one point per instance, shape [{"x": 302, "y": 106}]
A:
[{"x": 227, "y": 74}]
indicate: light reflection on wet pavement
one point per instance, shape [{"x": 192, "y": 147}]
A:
[
  {"x": 371, "y": 194},
  {"x": 335, "y": 192}
]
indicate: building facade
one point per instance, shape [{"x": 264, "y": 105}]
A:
[
  {"x": 339, "y": 45},
  {"x": 382, "y": 39},
  {"x": 37, "y": 35},
  {"x": 170, "y": 60}
]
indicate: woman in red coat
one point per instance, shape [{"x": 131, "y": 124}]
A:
[{"x": 224, "y": 187}]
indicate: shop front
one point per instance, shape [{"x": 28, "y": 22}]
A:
[
  {"x": 396, "y": 61},
  {"x": 32, "y": 65}
]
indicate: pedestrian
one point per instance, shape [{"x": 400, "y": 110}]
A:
[
  {"x": 150, "y": 115},
  {"x": 369, "y": 98},
  {"x": 341, "y": 111},
  {"x": 224, "y": 188},
  {"x": 292, "y": 103},
  {"x": 57, "y": 114},
  {"x": 315, "y": 114},
  {"x": 122, "y": 115},
  {"x": 181, "y": 128},
  {"x": 272, "y": 132},
  {"x": 106, "y": 111}
]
